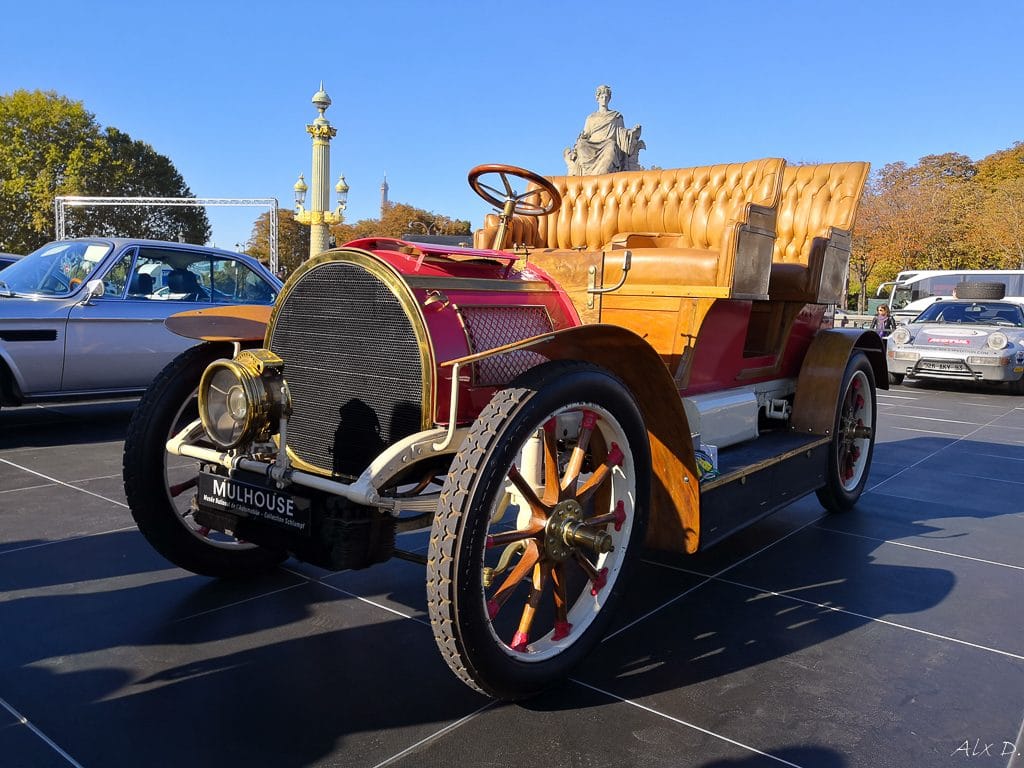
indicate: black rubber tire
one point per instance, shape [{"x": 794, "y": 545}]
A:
[
  {"x": 896, "y": 378},
  {"x": 145, "y": 478},
  {"x": 455, "y": 590},
  {"x": 980, "y": 290},
  {"x": 837, "y": 495}
]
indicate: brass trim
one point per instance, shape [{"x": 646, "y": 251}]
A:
[
  {"x": 675, "y": 291},
  {"x": 305, "y": 466},
  {"x": 401, "y": 288},
  {"x": 480, "y": 284},
  {"x": 524, "y": 344},
  {"x": 745, "y": 472}
]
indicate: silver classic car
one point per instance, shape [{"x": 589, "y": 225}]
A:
[
  {"x": 85, "y": 318},
  {"x": 961, "y": 339}
]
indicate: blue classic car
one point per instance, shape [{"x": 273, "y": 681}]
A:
[{"x": 84, "y": 318}]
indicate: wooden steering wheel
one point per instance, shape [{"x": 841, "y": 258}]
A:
[{"x": 540, "y": 201}]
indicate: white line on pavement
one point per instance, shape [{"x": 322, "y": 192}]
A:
[
  {"x": 834, "y": 609},
  {"x": 61, "y": 482},
  {"x": 680, "y": 721},
  {"x": 436, "y": 735},
  {"x": 50, "y": 742},
  {"x": 64, "y": 541},
  {"x": 920, "y": 461},
  {"x": 708, "y": 580},
  {"x": 358, "y": 597},
  {"x": 922, "y": 549}
]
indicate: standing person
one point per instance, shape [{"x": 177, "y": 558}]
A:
[{"x": 883, "y": 323}]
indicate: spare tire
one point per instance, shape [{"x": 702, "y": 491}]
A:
[{"x": 979, "y": 290}]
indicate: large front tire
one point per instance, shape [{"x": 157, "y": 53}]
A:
[
  {"x": 853, "y": 437},
  {"x": 160, "y": 485},
  {"x": 545, "y": 502}
]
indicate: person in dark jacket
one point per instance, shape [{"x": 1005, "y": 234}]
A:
[{"x": 883, "y": 323}]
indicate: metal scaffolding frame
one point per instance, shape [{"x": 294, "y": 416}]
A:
[{"x": 62, "y": 202}]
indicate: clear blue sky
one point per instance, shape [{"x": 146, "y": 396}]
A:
[{"x": 424, "y": 91}]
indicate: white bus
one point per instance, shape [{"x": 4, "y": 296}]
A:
[{"x": 912, "y": 291}]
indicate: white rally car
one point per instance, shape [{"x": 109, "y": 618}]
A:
[{"x": 961, "y": 339}]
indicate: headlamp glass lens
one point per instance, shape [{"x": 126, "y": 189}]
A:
[
  {"x": 226, "y": 407},
  {"x": 237, "y": 403}
]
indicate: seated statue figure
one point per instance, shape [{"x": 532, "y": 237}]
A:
[{"x": 605, "y": 145}]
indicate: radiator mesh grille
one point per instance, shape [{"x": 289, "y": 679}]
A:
[
  {"x": 490, "y": 327},
  {"x": 353, "y": 366}
]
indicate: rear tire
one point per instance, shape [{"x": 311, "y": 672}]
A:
[
  {"x": 853, "y": 441},
  {"x": 896, "y": 378},
  {"x": 160, "y": 485}
]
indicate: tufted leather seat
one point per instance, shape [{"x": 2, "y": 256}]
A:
[
  {"x": 812, "y": 242},
  {"x": 694, "y": 218}
]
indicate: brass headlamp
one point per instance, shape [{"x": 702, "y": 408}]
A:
[{"x": 242, "y": 400}]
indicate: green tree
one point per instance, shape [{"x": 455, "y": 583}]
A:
[
  {"x": 132, "y": 168},
  {"x": 51, "y": 145},
  {"x": 292, "y": 240}
]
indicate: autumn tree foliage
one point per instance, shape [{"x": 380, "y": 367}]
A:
[
  {"x": 944, "y": 212},
  {"x": 399, "y": 219},
  {"x": 51, "y": 145},
  {"x": 292, "y": 240}
]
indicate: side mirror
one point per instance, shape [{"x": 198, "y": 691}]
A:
[{"x": 93, "y": 290}]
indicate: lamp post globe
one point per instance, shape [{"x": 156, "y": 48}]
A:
[{"x": 319, "y": 217}]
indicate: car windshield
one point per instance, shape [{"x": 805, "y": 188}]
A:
[
  {"x": 56, "y": 269},
  {"x": 973, "y": 313}
]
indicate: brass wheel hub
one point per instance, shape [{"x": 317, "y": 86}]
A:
[{"x": 566, "y": 530}]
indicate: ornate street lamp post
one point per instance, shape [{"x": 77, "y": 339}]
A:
[{"x": 318, "y": 217}]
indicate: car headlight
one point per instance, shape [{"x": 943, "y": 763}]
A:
[
  {"x": 997, "y": 340},
  {"x": 905, "y": 355},
  {"x": 901, "y": 335},
  {"x": 241, "y": 400}
]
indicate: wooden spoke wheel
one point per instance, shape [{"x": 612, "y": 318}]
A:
[
  {"x": 160, "y": 486},
  {"x": 853, "y": 439},
  {"x": 543, "y": 506}
]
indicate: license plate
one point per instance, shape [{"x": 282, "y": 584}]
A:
[
  {"x": 952, "y": 366},
  {"x": 228, "y": 494}
]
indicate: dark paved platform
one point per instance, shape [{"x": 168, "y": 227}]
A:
[{"x": 887, "y": 637}]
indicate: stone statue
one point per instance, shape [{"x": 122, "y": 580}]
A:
[{"x": 605, "y": 144}]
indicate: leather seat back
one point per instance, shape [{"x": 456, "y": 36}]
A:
[
  {"x": 815, "y": 198},
  {"x": 695, "y": 203}
]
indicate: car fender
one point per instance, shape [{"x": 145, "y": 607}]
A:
[
  {"x": 236, "y": 322},
  {"x": 675, "y": 488},
  {"x": 10, "y": 382},
  {"x": 821, "y": 376}
]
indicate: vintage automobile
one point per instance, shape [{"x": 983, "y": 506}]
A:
[
  {"x": 640, "y": 358},
  {"x": 962, "y": 339},
  {"x": 83, "y": 318}
]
